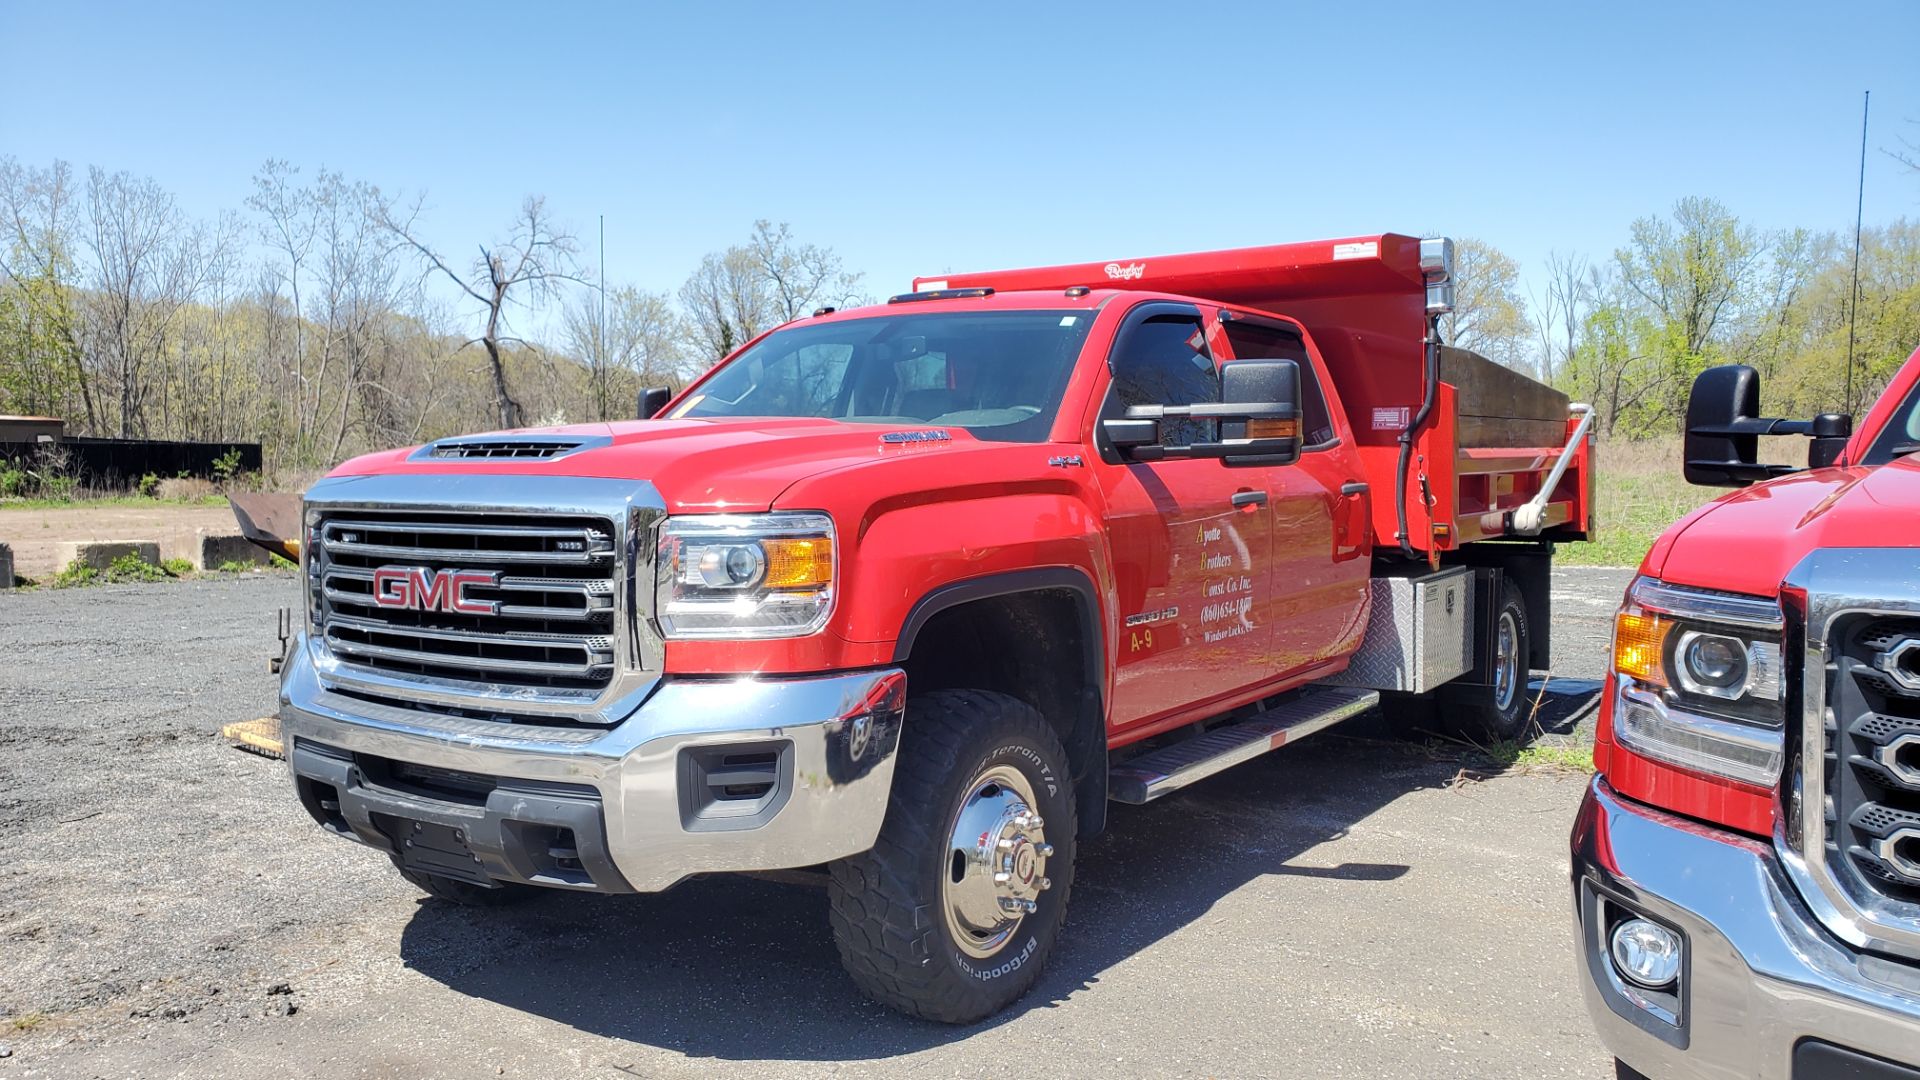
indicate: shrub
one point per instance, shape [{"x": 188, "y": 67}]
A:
[
  {"x": 177, "y": 567},
  {"x": 184, "y": 489},
  {"x": 148, "y": 487},
  {"x": 226, "y": 467},
  {"x": 128, "y": 567}
]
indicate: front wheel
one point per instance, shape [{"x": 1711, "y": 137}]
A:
[{"x": 953, "y": 912}]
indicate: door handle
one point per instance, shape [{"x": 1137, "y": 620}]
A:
[
  {"x": 1249, "y": 498},
  {"x": 1354, "y": 487}
]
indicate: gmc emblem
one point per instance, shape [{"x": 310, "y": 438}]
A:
[{"x": 422, "y": 588}]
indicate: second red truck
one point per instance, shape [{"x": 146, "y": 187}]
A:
[{"x": 914, "y": 590}]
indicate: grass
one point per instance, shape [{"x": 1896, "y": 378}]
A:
[
  {"x": 123, "y": 499},
  {"x": 1508, "y": 754},
  {"x": 1638, "y": 493},
  {"x": 27, "y": 1021}
]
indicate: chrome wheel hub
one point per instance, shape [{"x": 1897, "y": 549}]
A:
[
  {"x": 996, "y": 862},
  {"x": 1506, "y": 662}
]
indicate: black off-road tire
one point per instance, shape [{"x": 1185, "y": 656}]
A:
[
  {"x": 466, "y": 893},
  {"x": 888, "y": 913},
  {"x": 1477, "y": 714}
]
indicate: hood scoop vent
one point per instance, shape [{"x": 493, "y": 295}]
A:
[{"x": 512, "y": 447}]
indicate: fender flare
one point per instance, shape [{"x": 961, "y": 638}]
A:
[{"x": 1087, "y": 744}]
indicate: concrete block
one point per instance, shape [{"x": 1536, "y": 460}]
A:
[
  {"x": 100, "y": 554},
  {"x": 6, "y": 567},
  {"x": 213, "y": 552}
]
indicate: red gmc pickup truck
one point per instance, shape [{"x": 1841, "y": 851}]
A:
[
  {"x": 912, "y": 591},
  {"x": 1746, "y": 867}
]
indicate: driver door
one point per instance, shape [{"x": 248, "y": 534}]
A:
[{"x": 1191, "y": 538}]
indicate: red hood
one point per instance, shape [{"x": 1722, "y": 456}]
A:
[
  {"x": 696, "y": 465},
  {"x": 1748, "y": 540}
]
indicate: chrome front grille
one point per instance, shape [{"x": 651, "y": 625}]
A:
[
  {"x": 544, "y": 624},
  {"x": 1874, "y": 757},
  {"x": 1849, "y": 833},
  {"x": 544, "y": 613}
]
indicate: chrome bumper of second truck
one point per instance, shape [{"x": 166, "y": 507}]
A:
[
  {"x": 1762, "y": 981},
  {"x": 831, "y": 740}
]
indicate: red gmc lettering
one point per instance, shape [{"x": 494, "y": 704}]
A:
[{"x": 420, "y": 588}]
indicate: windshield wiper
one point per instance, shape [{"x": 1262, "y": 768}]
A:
[{"x": 1905, "y": 448}]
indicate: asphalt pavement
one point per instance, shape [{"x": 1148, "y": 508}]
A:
[{"x": 1356, "y": 905}]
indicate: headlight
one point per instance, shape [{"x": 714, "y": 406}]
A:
[
  {"x": 1699, "y": 680},
  {"x": 745, "y": 575}
]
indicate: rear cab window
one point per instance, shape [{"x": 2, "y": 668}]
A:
[{"x": 1253, "y": 338}]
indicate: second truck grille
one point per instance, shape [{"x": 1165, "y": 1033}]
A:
[
  {"x": 541, "y": 606},
  {"x": 1874, "y": 757}
]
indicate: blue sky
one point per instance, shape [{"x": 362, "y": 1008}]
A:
[{"x": 944, "y": 137}]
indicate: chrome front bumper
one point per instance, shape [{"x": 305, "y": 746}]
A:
[
  {"x": 1761, "y": 974},
  {"x": 624, "y": 790}
]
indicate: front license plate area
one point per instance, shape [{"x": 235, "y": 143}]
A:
[{"x": 429, "y": 848}]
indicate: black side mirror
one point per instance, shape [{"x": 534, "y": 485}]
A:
[
  {"x": 1724, "y": 425},
  {"x": 1259, "y": 415},
  {"x": 1717, "y": 451},
  {"x": 652, "y": 400},
  {"x": 1269, "y": 384}
]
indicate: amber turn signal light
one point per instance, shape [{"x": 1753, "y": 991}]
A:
[
  {"x": 1640, "y": 645},
  {"x": 794, "y": 563},
  {"x": 1273, "y": 429}
]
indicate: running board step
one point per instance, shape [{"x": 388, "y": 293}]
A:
[{"x": 1171, "y": 768}]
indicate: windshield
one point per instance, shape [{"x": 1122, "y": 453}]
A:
[
  {"x": 998, "y": 374},
  {"x": 1901, "y": 436}
]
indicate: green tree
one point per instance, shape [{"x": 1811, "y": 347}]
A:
[
  {"x": 1694, "y": 272},
  {"x": 1489, "y": 315}
]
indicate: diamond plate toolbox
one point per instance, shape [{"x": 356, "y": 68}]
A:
[{"x": 1419, "y": 633}]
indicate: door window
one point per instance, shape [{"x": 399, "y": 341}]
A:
[{"x": 1164, "y": 361}]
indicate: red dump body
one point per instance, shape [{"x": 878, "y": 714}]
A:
[{"x": 1492, "y": 436}]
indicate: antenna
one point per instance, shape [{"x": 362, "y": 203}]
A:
[
  {"x": 1853, "y": 290},
  {"x": 600, "y": 326}
]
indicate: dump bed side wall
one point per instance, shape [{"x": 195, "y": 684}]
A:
[{"x": 1493, "y": 434}]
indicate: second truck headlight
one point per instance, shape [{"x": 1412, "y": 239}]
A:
[
  {"x": 745, "y": 575},
  {"x": 1699, "y": 680}
]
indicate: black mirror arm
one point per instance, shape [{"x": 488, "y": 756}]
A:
[
  {"x": 1215, "y": 410},
  {"x": 1760, "y": 425}
]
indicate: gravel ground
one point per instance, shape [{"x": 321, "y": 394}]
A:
[{"x": 1349, "y": 907}]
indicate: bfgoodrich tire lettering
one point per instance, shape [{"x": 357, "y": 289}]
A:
[{"x": 894, "y": 915}]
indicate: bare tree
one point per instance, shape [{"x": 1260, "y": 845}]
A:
[
  {"x": 290, "y": 221},
  {"x": 727, "y": 303},
  {"x": 1489, "y": 315},
  {"x": 526, "y": 268},
  {"x": 637, "y": 346},
  {"x": 799, "y": 277},
  {"x": 147, "y": 262},
  {"x": 38, "y": 258},
  {"x": 736, "y": 294},
  {"x": 1563, "y": 306},
  {"x": 1909, "y": 152}
]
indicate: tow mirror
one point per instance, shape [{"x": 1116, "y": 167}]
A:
[
  {"x": 652, "y": 400},
  {"x": 1270, "y": 385},
  {"x": 1259, "y": 417},
  {"x": 1724, "y": 425}
]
